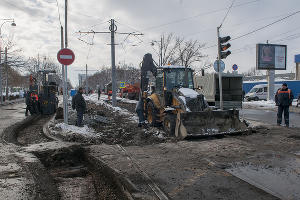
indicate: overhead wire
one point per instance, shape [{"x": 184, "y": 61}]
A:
[
  {"x": 227, "y": 13},
  {"x": 258, "y": 29},
  {"x": 197, "y": 15},
  {"x": 266, "y": 26}
]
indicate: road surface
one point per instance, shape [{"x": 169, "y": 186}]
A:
[
  {"x": 268, "y": 116},
  {"x": 11, "y": 114}
]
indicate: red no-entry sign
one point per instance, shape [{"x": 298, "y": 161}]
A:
[{"x": 65, "y": 56}]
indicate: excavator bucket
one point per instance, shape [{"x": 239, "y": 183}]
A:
[{"x": 208, "y": 123}]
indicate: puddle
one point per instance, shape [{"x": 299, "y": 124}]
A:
[{"x": 279, "y": 177}]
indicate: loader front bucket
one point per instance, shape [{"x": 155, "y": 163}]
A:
[{"x": 206, "y": 123}]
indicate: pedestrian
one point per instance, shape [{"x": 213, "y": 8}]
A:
[
  {"x": 28, "y": 103},
  {"x": 99, "y": 93},
  {"x": 140, "y": 112},
  {"x": 79, "y": 104},
  {"x": 283, "y": 99}
]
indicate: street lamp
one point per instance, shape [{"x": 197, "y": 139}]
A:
[
  {"x": 160, "y": 49},
  {"x": 5, "y": 21},
  {"x": 12, "y": 24}
]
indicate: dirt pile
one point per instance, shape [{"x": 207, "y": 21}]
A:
[{"x": 111, "y": 127}]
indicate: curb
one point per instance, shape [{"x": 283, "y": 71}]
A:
[{"x": 10, "y": 133}]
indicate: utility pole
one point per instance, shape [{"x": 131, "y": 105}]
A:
[
  {"x": 219, "y": 70},
  {"x": 37, "y": 74},
  {"x": 6, "y": 70},
  {"x": 86, "y": 80},
  {"x": 161, "y": 48},
  {"x": 1, "y": 94},
  {"x": 113, "y": 31},
  {"x": 65, "y": 78}
]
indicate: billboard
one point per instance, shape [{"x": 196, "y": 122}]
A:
[{"x": 271, "y": 56}]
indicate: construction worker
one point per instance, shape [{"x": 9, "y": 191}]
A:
[
  {"x": 139, "y": 109},
  {"x": 283, "y": 99},
  {"x": 34, "y": 108},
  {"x": 79, "y": 104},
  {"x": 28, "y": 102}
]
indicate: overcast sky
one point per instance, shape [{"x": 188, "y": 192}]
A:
[{"x": 38, "y": 28}]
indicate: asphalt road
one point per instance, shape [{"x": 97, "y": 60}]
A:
[
  {"x": 10, "y": 114},
  {"x": 268, "y": 116}
]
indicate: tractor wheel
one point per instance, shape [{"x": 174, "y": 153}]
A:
[
  {"x": 169, "y": 124},
  {"x": 152, "y": 114}
]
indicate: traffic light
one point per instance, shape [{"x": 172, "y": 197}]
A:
[{"x": 223, "y": 47}]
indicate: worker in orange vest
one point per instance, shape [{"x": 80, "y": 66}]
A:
[
  {"x": 284, "y": 98},
  {"x": 35, "y": 101}
]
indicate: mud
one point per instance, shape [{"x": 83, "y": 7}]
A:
[
  {"x": 34, "y": 133},
  {"x": 75, "y": 177},
  {"x": 59, "y": 172}
]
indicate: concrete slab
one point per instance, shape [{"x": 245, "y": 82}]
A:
[{"x": 275, "y": 173}]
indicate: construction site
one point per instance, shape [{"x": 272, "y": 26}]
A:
[
  {"x": 185, "y": 148},
  {"x": 149, "y": 100}
]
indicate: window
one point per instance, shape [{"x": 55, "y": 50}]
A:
[
  {"x": 265, "y": 89},
  {"x": 260, "y": 90},
  {"x": 175, "y": 78},
  {"x": 253, "y": 90},
  {"x": 159, "y": 83}
]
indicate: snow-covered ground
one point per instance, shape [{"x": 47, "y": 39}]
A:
[
  {"x": 266, "y": 104},
  {"x": 103, "y": 98},
  {"x": 263, "y": 104},
  {"x": 89, "y": 132},
  {"x": 70, "y": 129}
]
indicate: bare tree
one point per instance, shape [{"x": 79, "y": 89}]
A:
[
  {"x": 170, "y": 45},
  {"x": 253, "y": 72},
  {"x": 125, "y": 73},
  {"x": 189, "y": 52}
]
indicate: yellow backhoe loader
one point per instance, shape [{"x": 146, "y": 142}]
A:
[{"x": 171, "y": 101}]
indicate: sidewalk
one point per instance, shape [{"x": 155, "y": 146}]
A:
[
  {"x": 5, "y": 103},
  {"x": 14, "y": 181}
]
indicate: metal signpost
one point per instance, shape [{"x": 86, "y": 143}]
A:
[
  {"x": 65, "y": 57},
  {"x": 297, "y": 61},
  {"x": 1, "y": 94}
]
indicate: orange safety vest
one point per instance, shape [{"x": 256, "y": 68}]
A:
[
  {"x": 34, "y": 95},
  {"x": 283, "y": 92}
]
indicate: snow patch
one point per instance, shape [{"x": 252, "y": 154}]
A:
[
  {"x": 70, "y": 129},
  {"x": 102, "y": 101},
  {"x": 267, "y": 104},
  {"x": 187, "y": 92}
]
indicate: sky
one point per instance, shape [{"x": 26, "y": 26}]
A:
[{"x": 38, "y": 28}]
